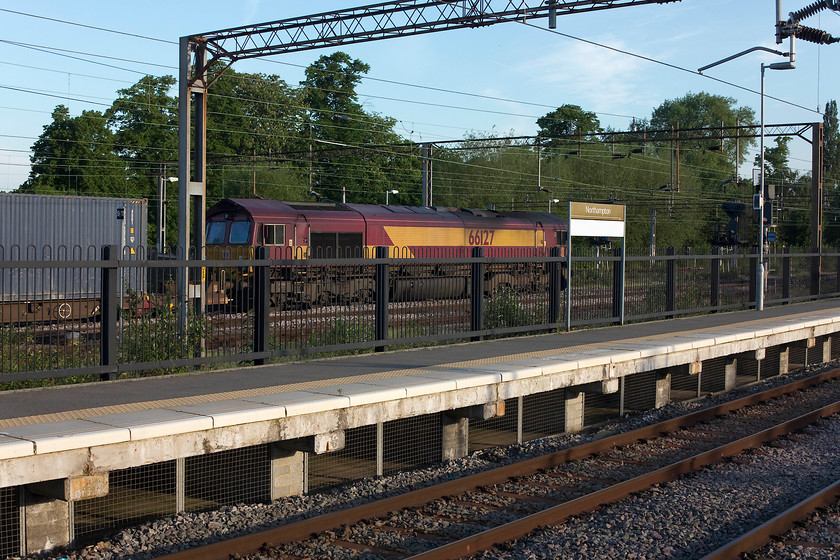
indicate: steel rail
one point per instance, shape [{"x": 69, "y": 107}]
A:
[
  {"x": 557, "y": 514},
  {"x": 248, "y": 544},
  {"x": 761, "y": 535}
]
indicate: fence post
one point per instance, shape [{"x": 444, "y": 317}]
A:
[
  {"x": 816, "y": 268},
  {"x": 786, "y": 275},
  {"x": 381, "y": 287},
  {"x": 618, "y": 280},
  {"x": 477, "y": 293},
  {"x": 715, "y": 277},
  {"x": 837, "y": 275},
  {"x": 670, "y": 280},
  {"x": 108, "y": 326},
  {"x": 555, "y": 285},
  {"x": 753, "y": 276},
  {"x": 262, "y": 304}
]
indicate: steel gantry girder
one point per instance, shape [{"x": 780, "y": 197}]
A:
[{"x": 398, "y": 18}]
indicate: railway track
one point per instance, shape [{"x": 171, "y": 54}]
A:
[{"x": 465, "y": 516}]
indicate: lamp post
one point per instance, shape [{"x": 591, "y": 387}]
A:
[
  {"x": 162, "y": 210},
  {"x": 758, "y": 200},
  {"x": 550, "y": 200},
  {"x": 390, "y": 192}
]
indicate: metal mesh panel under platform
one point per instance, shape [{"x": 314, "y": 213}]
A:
[
  {"x": 770, "y": 363},
  {"x": 228, "y": 477},
  {"x": 815, "y": 354},
  {"x": 796, "y": 357},
  {"x": 495, "y": 432},
  {"x": 136, "y": 494},
  {"x": 640, "y": 392},
  {"x": 356, "y": 461},
  {"x": 543, "y": 414},
  {"x": 412, "y": 442},
  {"x": 713, "y": 375},
  {"x": 9, "y": 522},
  {"x": 599, "y": 408},
  {"x": 683, "y": 385}
]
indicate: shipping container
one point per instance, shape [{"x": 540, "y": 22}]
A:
[{"x": 36, "y": 229}]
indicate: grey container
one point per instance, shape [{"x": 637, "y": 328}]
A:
[{"x": 66, "y": 228}]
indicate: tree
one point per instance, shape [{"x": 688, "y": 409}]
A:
[
  {"x": 74, "y": 155},
  {"x": 831, "y": 177},
  {"x": 568, "y": 120},
  {"x": 355, "y": 153},
  {"x": 776, "y": 163},
  {"x": 831, "y": 138},
  {"x": 144, "y": 118}
]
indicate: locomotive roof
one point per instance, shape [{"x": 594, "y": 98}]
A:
[{"x": 265, "y": 209}]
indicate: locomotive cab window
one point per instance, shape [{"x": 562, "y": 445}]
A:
[
  {"x": 239, "y": 233},
  {"x": 562, "y": 238},
  {"x": 215, "y": 233},
  {"x": 273, "y": 234}
]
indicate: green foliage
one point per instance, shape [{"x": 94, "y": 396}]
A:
[
  {"x": 504, "y": 309},
  {"x": 568, "y": 120},
  {"x": 74, "y": 155},
  {"x": 342, "y": 331},
  {"x": 336, "y": 119},
  {"x": 155, "y": 336},
  {"x": 831, "y": 185},
  {"x": 23, "y": 353}
]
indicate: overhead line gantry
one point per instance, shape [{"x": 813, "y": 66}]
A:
[{"x": 200, "y": 53}]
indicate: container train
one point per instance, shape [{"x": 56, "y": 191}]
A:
[
  {"x": 328, "y": 230},
  {"x": 35, "y": 229}
]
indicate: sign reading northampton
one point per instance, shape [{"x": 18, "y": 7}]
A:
[{"x": 589, "y": 211}]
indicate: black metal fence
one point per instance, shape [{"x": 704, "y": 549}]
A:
[{"x": 124, "y": 315}]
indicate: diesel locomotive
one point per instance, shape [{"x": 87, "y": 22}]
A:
[{"x": 332, "y": 232}]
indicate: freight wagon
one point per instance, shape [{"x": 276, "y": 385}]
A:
[{"x": 43, "y": 230}]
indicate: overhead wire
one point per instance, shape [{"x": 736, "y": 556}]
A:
[{"x": 390, "y": 81}]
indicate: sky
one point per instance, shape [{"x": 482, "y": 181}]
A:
[{"x": 620, "y": 63}]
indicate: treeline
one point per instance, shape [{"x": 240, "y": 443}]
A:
[{"x": 270, "y": 139}]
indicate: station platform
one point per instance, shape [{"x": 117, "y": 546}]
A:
[
  {"x": 77, "y": 401},
  {"x": 61, "y": 443}
]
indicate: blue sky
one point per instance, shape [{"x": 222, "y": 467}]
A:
[{"x": 497, "y": 79}]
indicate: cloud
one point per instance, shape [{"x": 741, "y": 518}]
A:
[
  {"x": 249, "y": 11},
  {"x": 593, "y": 77}
]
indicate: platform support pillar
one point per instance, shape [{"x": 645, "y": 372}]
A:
[
  {"x": 663, "y": 388},
  {"x": 574, "y": 397},
  {"x": 730, "y": 373},
  {"x": 784, "y": 359},
  {"x": 455, "y": 437},
  {"x": 288, "y": 472},
  {"x": 47, "y": 522}
]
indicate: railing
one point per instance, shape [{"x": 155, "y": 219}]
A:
[{"x": 118, "y": 316}]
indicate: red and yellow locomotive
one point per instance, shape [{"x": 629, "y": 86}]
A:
[{"x": 328, "y": 230}]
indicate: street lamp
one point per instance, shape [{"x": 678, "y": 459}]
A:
[
  {"x": 758, "y": 200},
  {"x": 550, "y": 200},
  {"x": 390, "y": 192},
  {"x": 161, "y": 212}
]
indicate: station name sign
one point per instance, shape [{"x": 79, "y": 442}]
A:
[
  {"x": 596, "y": 220},
  {"x": 587, "y": 211}
]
